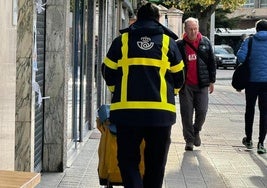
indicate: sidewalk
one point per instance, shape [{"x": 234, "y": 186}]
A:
[{"x": 220, "y": 162}]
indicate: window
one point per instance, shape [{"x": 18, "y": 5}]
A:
[
  {"x": 249, "y": 4},
  {"x": 263, "y": 3}
]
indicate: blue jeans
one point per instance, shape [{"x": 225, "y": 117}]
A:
[
  {"x": 157, "y": 142},
  {"x": 254, "y": 91}
]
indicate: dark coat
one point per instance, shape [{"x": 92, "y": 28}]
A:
[
  {"x": 144, "y": 70},
  {"x": 205, "y": 61}
]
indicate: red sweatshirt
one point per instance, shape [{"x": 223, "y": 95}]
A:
[{"x": 192, "y": 74}]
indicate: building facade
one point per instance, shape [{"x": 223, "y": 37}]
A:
[
  {"x": 249, "y": 13},
  {"x": 48, "y": 62},
  {"x": 50, "y": 57}
]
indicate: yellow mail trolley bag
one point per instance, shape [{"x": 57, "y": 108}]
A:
[{"x": 108, "y": 170}]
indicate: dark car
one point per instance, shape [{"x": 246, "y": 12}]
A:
[{"x": 224, "y": 56}]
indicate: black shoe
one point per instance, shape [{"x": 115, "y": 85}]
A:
[
  {"x": 261, "y": 149},
  {"x": 189, "y": 146},
  {"x": 249, "y": 145},
  {"x": 197, "y": 141}
]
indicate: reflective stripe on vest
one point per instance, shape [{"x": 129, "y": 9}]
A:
[{"x": 163, "y": 66}]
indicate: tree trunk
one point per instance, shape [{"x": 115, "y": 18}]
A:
[
  {"x": 204, "y": 18},
  {"x": 203, "y": 25}
]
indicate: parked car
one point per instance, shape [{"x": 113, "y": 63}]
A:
[{"x": 224, "y": 56}]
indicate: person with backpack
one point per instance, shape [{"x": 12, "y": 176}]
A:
[{"x": 257, "y": 85}]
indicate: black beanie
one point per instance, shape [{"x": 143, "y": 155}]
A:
[
  {"x": 148, "y": 11},
  {"x": 261, "y": 25}
]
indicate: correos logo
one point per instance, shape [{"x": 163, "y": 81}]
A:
[{"x": 145, "y": 43}]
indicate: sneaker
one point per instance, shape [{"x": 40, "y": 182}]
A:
[
  {"x": 189, "y": 146},
  {"x": 249, "y": 145},
  {"x": 261, "y": 149},
  {"x": 197, "y": 141}
]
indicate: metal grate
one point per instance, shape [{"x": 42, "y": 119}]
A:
[{"x": 39, "y": 111}]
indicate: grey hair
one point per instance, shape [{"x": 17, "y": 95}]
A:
[{"x": 191, "y": 19}]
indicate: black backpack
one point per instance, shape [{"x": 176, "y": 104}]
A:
[{"x": 241, "y": 74}]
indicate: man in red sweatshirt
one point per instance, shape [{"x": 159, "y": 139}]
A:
[{"x": 200, "y": 73}]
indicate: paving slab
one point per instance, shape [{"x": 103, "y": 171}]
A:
[{"x": 220, "y": 162}]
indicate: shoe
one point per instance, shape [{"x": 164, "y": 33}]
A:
[
  {"x": 249, "y": 145},
  {"x": 261, "y": 149},
  {"x": 189, "y": 146},
  {"x": 197, "y": 141}
]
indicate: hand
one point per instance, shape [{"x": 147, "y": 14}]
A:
[{"x": 211, "y": 88}]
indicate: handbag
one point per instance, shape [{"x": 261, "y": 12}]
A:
[{"x": 241, "y": 74}]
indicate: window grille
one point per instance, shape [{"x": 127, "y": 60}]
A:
[{"x": 249, "y": 4}]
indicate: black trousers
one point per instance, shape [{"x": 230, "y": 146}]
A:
[
  {"x": 157, "y": 142},
  {"x": 253, "y": 92}
]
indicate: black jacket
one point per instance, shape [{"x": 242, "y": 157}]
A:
[
  {"x": 144, "y": 70},
  {"x": 205, "y": 61}
]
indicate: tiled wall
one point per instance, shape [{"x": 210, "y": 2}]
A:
[{"x": 7, "y": 85}]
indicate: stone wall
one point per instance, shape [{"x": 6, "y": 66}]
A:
[
  {"x": 56, "y": 80},
  {"x": 24, "y": 133}
]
